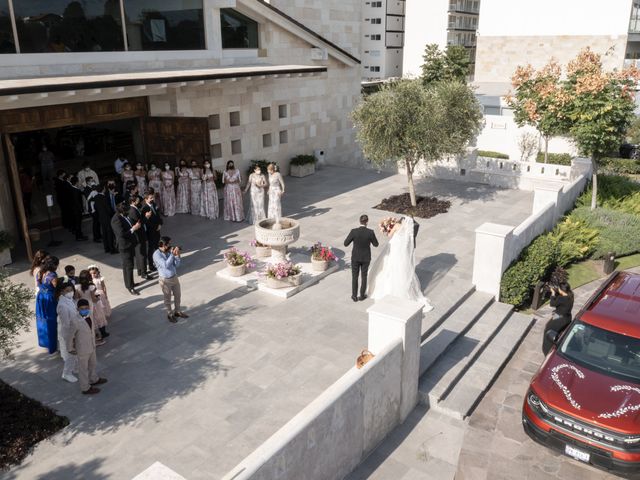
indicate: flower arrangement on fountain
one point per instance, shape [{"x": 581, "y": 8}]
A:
[{"x": 238, "y": 262}]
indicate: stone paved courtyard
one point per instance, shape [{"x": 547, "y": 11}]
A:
[{"x": 200, "y": 395}]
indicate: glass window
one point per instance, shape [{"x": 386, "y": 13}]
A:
[
  {"x": 164, "y": 25},
  {"x": 238, "y": 31},
  {"x": 7, "y": 44},
  {"x": 68, "y": 26}
]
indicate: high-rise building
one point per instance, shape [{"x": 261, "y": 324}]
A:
[
  {"x": 382, "y": 39},
  {"x": 443, "y": 22}
]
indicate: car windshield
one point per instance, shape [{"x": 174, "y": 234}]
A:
[{"x": 604, "y": 351}]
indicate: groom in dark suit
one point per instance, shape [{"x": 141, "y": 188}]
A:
[{"x": 362, "y": 238}]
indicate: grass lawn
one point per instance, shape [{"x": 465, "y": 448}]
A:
[{"x": 587, "y": 271}]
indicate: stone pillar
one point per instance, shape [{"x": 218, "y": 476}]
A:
[
  {"x": 543, "y": 195},
  {"x": 581, "y": 166},
  {"x": 393, "y": 318},
  {"x": 491, "y": 257}
]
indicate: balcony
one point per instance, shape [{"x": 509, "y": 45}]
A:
[{"x": 464, "y": 6}]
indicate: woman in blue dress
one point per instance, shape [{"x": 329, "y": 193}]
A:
[{"x": 46, "y": 304}]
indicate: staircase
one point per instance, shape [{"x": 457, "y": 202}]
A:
[{"x": 466, "y": 341}]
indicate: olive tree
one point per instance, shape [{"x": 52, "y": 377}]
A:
[
  {"x": 406, "y": 122},
  {"x": 14, "y": 312}
]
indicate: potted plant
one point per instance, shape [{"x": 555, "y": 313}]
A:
[
  {"x": 321, "y": 255},
  {"x": 238, "y": 262},
  {"x": 6, "y": 243},
  {"x": 302, "y": 165},
  {"x": 262, "y": 250},
  {"x": 281, "y": 275}
]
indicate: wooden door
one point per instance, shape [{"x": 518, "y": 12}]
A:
[{"x": 171, "y": 139}]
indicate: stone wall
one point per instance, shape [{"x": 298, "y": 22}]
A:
[{"x": 498, "y": 56}]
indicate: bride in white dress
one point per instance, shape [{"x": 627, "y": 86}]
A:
[{"x": 394, "y": 271}]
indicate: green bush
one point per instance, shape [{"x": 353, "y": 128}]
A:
[
  {"x": 575, "y": 241},
  {"x": 628, "y": 204},
  {"x": 303, "y": 160},
  {"x": 489, "y": 153},
  {"x": 262, "y": 163},
  {"x": 535, "y": 263},
  {"x": 555, "y": 158},
  {"x": 620, "y": 166},
  {"x": 619, "y": 232},
  {"x": 611, "y": 189}
]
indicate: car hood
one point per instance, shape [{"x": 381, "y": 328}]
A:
[{"x": 588, "y": 395}]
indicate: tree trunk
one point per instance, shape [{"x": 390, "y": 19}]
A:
[
  {"x": 546, "y": 149},
  {"x": 412, "y": 188},
  {"x": 594, "y": 184}
]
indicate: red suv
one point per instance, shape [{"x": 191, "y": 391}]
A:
[{"x": 585, "y": 399}]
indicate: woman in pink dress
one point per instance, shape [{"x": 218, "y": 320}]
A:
[
  {"x": 141, "y": 178},
  {"x": 195, "y": 178},
  {"x": 168, "y": 192},
  {"x": 103, "y": 299},
  {"x": 127, "y": 176},
  {"x": 155, "y": 182},
  {"x": 184, "y": 190},
  {"x": 209, "y": 193},
  {"x": 233, "y": 208}
]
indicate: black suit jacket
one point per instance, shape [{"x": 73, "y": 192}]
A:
[
  {"x": 362, "y": 238},
  {"x": 102, "y": 206},
  {"x": 154, "y": 221},
  {"x": 416, "y": 227},
  {"x": 76, "y": 197},
  {"x": 117, "y": 198},
  {"x": 125, "y": 240},
  {"x": 136, "y": 215}
]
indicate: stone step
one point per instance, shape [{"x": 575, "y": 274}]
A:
[
  {"x": 468, "y": 392},
  {"x": 456, "y": 324},
  {"x": 450, "y": 296},
  {"x": 445, "y": 373}
]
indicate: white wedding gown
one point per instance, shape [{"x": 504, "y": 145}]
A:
[{"x": 394, "y": 271}]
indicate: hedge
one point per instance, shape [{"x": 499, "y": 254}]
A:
[
  {"x": 623, "y": 166},
  {"x": 555, "y": 158},
  {"x": 611, "y": 190},
  {"x": 619, "y": 232},
  {"x": 303, "y": 160},
  {"x": 489, "y": 153}
]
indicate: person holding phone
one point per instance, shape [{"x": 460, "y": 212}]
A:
[{"x": 167, "y": 260}]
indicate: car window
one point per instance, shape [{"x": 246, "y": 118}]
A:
[{"x": 607, "y": 352}]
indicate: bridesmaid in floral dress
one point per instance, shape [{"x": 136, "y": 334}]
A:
[
  {"x": 184, "y": 190},
  {"x": 195, "y": 179},
  {"x": 209, "y": 193},
  {"x": 168, "y": 192},
  {"x": 155, "y": 182},
  {"x": 276, "y": 190},
  {"x": 257, "y": 184},
  {"x": 233, "y": 208},
  {"x": 127, "y": 176},
  {"x": 141, "y": 178}
]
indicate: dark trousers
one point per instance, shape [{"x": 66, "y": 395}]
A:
[
  {"x": 557, "y": 323},
  {"x": 97, "y": 236},
  {"x": 152, "y": 245},
  {"x": 141, "y": 257},
  {"x": 26, "y": 200},
  {"x": 362, "y": 269},
  {"x": 127, "y": 266},
  {"x": 77, "y": 225},
  {"x": 107, "y": 237}
]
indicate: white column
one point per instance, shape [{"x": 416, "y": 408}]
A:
[
  {"x": 491, "y": 256},
  {"x": 392, "y": 318},
  {"x": 543, "y": 195}
]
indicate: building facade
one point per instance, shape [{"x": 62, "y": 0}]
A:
[
  {"x": 382, "y": 39},
  {"x": 164, "y": 81},
  {"x": 443, "y": 22}
]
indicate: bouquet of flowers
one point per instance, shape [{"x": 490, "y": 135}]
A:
[
  {"x": 322, "y": 252},
  {"x": 281, "y": 270},
  {"x": 387, "y": 224},
  {"x": 235, "y": 258},
  {"x": 256, "y": 243}
]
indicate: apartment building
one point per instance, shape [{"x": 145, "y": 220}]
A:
[
  {"x": 443, "y": 22},
  {"x": 382, "y": 39}
]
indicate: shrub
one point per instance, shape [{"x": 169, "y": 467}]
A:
[
  {"x": 489, "y": 153},
  {"x": 575, "y": 241},
  {"x": 535, "y": 263},
  {"x": 620, "y": 166},
  {"x": 303, "y": 160},
  {"x": 618, "y": 231},
  {"x": 262, "y": 163},
  {"x": 611, "y": 189},
  {"x": 628, "y": 204},
  {"x": 555, "y": 158},
  {"x": 15, "y": 315}
]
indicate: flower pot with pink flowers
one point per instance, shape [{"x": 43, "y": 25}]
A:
[
  {"x": 238, "y": 262},
  {"x": 321, "y": 257},
  {"x": 282, "y": 275},
  {"x": 262, "y": 250}
]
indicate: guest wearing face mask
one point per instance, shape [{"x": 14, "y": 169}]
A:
[
  {"x": 153, "y": 222},
  {"x": 102, "y": 204},
  {"x": 91, "y": 192},
  {"x": 127, "y": 176},
  {"x": 184, "y": 188},
  {"x": 136, "y": 216},
  {"x": 81, "y": 341},
  {"x": 155, "y": 182},
  {"x": 210, "y": 205},
  {"x": 168, "y": 192},
  {"x": 233, "y": 207},
  {"x": 195, "y": 179},
  {"x": 77, "y": 198},
  {"x": 141, "y": 178},
  {"x": 86, "y": 173},
  {"x": 126, "y": 238},
  {"x": 66, "y": 310},
  {"x": 62, "y": 197}
]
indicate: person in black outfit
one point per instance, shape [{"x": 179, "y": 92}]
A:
[
  {"x": 126, "y": 240},
  {"x": 104, "y": 212},
  {"x": 362, "y": 239},
  {"x": 62, "y": 197},
  {"x": 75, "y": 208},
  {"x": 562, "y": 301},
  {"x": 416, "y": 227},
  {"x": 153, "y": 222},
  {"x": 136, "y": 216},
  {"x": 132, "y": 191}
]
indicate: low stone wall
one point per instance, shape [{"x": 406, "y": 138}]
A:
[{"x": 332, "y": 435}]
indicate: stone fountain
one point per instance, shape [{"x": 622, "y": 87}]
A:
[{"x": 278, "y": 233}]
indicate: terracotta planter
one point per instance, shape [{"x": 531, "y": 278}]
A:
[
  {"x": 319, "y": 265},
  {"x": 263, "y": 252},
  {"x": 236, "y": 271}
]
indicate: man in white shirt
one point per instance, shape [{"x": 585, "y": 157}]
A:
[
  {"x": 119, "y": 164},
  {"x": 85, "y": 173}
]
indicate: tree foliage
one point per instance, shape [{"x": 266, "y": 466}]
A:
[
  {"x": 633, "y": 132},
  {"x": 405, "y": 122},
  {"x": 450, "y": 64},
  {"x": 14, "y": 312}
]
